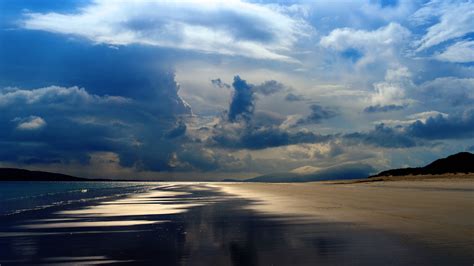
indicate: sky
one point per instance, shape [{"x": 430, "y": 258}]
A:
[{"x": 207, "y": 90}]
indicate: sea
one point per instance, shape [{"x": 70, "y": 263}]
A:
[{"x": 18, "y": 197}]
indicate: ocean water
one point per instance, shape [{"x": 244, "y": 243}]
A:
[{"x": 17, "y": 197}]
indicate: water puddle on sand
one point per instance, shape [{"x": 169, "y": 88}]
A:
[{"x": 195, "y": 224}]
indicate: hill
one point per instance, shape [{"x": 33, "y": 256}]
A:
[
  {"x": 462, "y": 162},
  {"x": 14, "y": 174}
]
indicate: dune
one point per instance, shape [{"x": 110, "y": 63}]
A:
[{"x": 437, "y": 211}]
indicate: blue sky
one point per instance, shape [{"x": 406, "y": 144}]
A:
[{"x": 194, "y": 90}]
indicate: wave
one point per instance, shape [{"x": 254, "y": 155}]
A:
[{"x": 25, "y": 203}]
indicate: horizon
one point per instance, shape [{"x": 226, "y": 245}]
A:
[{"x": 207, "y": 91}]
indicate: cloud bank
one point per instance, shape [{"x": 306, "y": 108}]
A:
[{"x": 221, "y": 27}]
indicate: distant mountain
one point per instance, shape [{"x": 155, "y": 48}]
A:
[
  {"x": 14, "y": 174},
  {"x": 462, "y": 162},
  {"x": 340, "y": 172}
]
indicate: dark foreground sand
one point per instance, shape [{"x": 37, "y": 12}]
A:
[{"x": 438, "y": 211}]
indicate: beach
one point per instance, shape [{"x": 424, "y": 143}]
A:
[
  {"x": 425, "y": 222},
  {"x": 438, "y": 211}
]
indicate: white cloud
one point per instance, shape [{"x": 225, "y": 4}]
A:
[
  {"x": 423, "y": 116},
  {"x": 222, "y": 27},
  {"x": 455, "y": 19},
  {"x": 54, "y": 94},
  {"x": 378, "y": 44},
  {"x": 460, "y": 52},
  {"x": 393, "y": 89},
  {"x": 30, "y": 123},
  {"x": 343, "y": 38}
]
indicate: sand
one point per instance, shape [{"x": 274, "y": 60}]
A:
[{"x": 437, "y": 211}]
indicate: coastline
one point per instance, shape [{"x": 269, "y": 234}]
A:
[{"x": 204, "y": 224}]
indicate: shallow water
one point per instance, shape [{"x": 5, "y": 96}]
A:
[
  {"x": 16, "y": 197},
  {"x": 195, "y": 224}
]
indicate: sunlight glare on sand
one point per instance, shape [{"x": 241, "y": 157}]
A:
[
  {"x": 121, "y": 211},
  {"x": 73, "y": 224}
]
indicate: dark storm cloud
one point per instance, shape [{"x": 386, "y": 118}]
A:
[
  {"x": 243, "y": 99},
  {"x": 455, "y": 126},
  {"x": 291, "y": 97},
  {"x": 460, "y": 125},
  {"x": 36, "y": 60},
  {"x": 105, "y": 100},
  {"x": 383, "y": 108},
  {"x": 383, "y": 136},
  {"x": 242, "y": 103},
  {"x": 62, "y": 138},
  {"x": 251, "y": 138},
  {"x": 318, "y": 114},
  {"x": 57, "y": 124},
  {"x": 246, "y": 129}
]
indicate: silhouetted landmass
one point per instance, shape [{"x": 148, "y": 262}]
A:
[
  {"x": 462, "y": 162},
  {"x": 14, "y": 174}
]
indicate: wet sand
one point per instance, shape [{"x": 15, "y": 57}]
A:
[
  {"x": 438, "y": 212},
  {"x": 220, "y": 224}
]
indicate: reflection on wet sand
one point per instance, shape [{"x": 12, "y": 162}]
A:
[
  {"x": 79, "y": 224},
  {"x": 195, "y": 224},
  {"x": 143, "y": 204}
]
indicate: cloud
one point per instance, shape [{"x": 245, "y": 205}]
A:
[
  {"x": 459, "y": 125},
  {"x": 246, "y": 129},
  {"x": 220, "y": 84},
  {"x": 242, "y": 103},
  {"x": 460, "y": 52},
  {"x": 269, "y": 87},
  {"x": 52, "y": 95},
  {"x": 80, "y": 123},
  {"x": 383, "y": 108},
  {"x": 138, "y": 73},
  {"x": 410, "y": 119},
  {"x": 454, "y": 20},
  {"x": 373, "y": 45},
  {"x": 383, "y": 136},
  {"x": 457, "y": 92},
  {"x": 392, "y": 91},
  {"x": 291, "y": 97},
  {"x": 254, "y": 138},
  {"x": 30, "y": 123},
  {"x": 221, "y": 27},
  {"x": 177, "y": 131},
  {"x": 318, "y": 114},
  {"x": 427, "y": 127}
]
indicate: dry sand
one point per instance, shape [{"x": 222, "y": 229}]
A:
[{"x": 438, "y": 211}]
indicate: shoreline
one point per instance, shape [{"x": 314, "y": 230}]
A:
[{"x": 201, "y": 223}]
